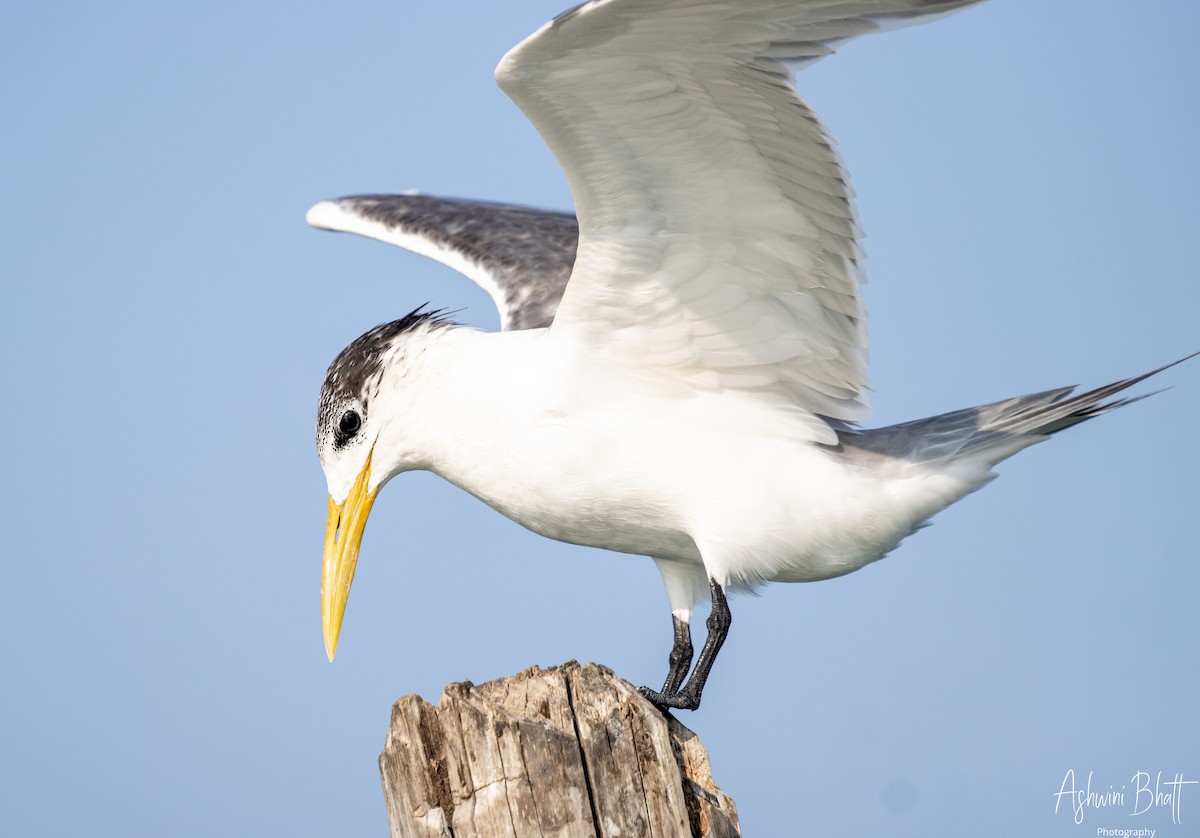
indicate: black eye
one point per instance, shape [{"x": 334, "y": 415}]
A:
[{"x": 349, "y": 424}]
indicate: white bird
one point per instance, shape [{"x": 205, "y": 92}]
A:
[{"x": 692, "y": 393}]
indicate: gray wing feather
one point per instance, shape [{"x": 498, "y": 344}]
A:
[{"x": 521, "y": 256}]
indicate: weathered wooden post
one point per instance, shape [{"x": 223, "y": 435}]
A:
[{"x": 567, "y": 751}]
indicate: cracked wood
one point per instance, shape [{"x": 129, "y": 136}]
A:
[{"x": 570, "y": 752}]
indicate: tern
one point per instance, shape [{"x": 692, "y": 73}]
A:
[{"x": 681, "y": 373}]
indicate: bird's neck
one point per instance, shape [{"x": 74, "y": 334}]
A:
[{"x": 452, "y": 397}]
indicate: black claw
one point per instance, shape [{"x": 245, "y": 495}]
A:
[
  {"x": 678, "y": 701},
  {"x": 653, "y": 695}
]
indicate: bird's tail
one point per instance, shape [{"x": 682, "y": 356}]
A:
[{"x": 993, "y": 432}]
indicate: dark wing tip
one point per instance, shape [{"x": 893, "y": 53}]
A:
[{"x": 521, "y": 256}]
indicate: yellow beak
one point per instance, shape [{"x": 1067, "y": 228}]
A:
[{"x": 343, "y": 534}]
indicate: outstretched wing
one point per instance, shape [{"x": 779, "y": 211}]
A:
[
  {"x": 522, "y": 257},
  {"x": 718, "y": 235}
]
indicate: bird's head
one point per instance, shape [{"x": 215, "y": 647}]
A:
[{"x": 361, "y": 445}]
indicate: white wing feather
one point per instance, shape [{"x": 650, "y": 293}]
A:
[{"x": 718, "y": 238}]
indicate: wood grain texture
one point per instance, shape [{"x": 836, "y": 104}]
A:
[{"x": 570, "y": 752}]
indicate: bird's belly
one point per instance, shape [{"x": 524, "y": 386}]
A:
[
  {"x": 593, "y": 508},
  {"x": 752, "y": 508},
  {"x": 611, "y": 524},
  {"x": 749, "y": 517}
]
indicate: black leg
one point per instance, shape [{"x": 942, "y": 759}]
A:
[
  {"x": 680, "y": 658},
  {"x": 718, "y": 623},
  {"x": 680, "y": 661}
]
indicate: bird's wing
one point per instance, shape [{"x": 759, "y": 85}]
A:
[
  {"x": 520, "y": 256},
  {"x": 718, "y": 234}
]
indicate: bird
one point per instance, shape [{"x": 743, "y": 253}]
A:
[{"x": 681, "y": 369}]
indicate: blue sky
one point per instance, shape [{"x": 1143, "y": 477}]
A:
[{"x": 1028, "y": 181}]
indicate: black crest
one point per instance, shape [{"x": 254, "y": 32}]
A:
[{"x": 355, "y": 372}]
